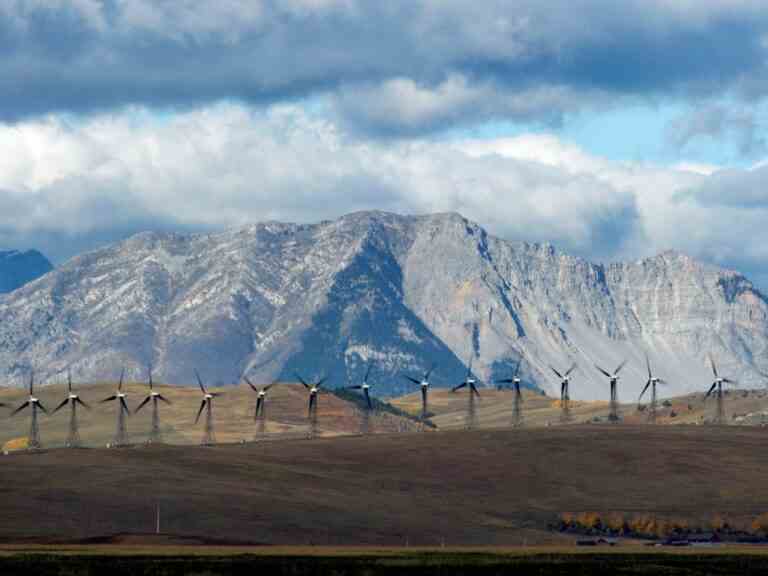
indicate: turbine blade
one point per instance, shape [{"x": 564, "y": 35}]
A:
[
  {"x": 124, "y": 406},
  {"x": 258, "y": 408},
  {"x": 648, "y": 365},
  {"x": 647, "y": 384},
  {"x": 302, "y": 380},
  {"x": 459, "y": 387},
  {"x": 122, "y": 377},
  {"x": 505, "y": 381},
  {"x": 517, "y": 368},
  {"x": 268, "y": 386},
  {"x": 661, "y": 381},
  {"x": 368, "y": 399},
  {"x": 604, "y": 371},
  {"x": 358, "y": 387},
  {"x": 411, "y": 379},
  {"x": 20, "y": 408},
  {"x": 164, "y": 399},
  {"x": 143, "y": 403},
  {"x": 474, "y": 390},
  {"x": 556, "y": 373},
  {"x": 729, "y": 381},
  {"x": 619, "y": 367},
  {"x": 250, "y": 384},
  {"x": 83, "y": 404},
  {"x": 712, "y": 363},
  {"x": 368, "y": 371},
  {"x": 200, "y": 411},
  {"x": 60, "y": 406},
  {"x": 712, "y": 388},
  {"x": 113, "y": 397},
  {"x": 571, "y": 369},
  {"x": 40, "y": 405},
  {"x": 199, "y": 381}
]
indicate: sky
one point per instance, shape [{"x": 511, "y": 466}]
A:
[{"x": 614, "y": 130}]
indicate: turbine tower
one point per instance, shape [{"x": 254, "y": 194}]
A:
[
  {"x": 365, "y": 420},
  {"x": 259, "y": 415},
  {"x": 717, "y": 388},
  {"x": 565, "y": 395},
  {"x": 155, "y": 434},
  {"x": 424, "y": 384},
  {"x": 73, "y": 438},
  {"x": 121, "y": 432},
  {"x": 314, "y": 389},
  {"x": 613, "y": 414},
  {"x": 33, "y": 440},
  {"x": 209, "y": 436},
  {"x": 651, "y": 382},
  {"x": 471, "y": 383},
  {"x": 517, "y": 406}
]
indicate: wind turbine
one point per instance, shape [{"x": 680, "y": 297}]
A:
[
  {"x": 261, "y": 395},
  {"x": 517, "y": 407},
  {"x": 155, "y": 435},
  {"x": 33, "y": 441},
  {"x": 613, "y": 414},
  {"x": 73, "y": 438},
  {"x": 121, "y": 433},
  {"x": 565, "y": 396},
  {"x": 424, "y": 383},
  {"x": 314, "y": 389},
  {"x": 209, "y": 436},
  {"x": 717, "y": 388},
  {"x": 365, "y": 422},
  {"x": 469, "y": 382},
  {"x": 652, "y": 382}
]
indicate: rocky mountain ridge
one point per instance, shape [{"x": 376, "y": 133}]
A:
[
  {"x": 19, "y": 267},
  {"x": 404, "y": 291}
]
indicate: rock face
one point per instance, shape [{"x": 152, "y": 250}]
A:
[
  {"x": 405, "y": 291},
  {"x": 17, "y": 268}
]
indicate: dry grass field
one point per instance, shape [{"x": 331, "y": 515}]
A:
[
  {"x": 494, "y": 409},
  {"x": 484, "y": 487},
  {"x": 286, "y": 410}
]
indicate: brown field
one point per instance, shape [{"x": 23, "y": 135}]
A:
[{"x": 477, "y": 488}]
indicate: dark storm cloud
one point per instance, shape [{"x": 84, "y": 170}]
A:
[{"x": 85, "y": 55}]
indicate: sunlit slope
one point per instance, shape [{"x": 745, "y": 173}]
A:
[
  {"x": 494, "y": 409},
  {"x": 286, "y": 412}
]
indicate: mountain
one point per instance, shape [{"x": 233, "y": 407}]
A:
[
  {"x": 17, "y": 268},
  {"x": 405, "y": 291}
]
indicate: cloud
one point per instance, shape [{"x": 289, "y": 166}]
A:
[
  {"x": 68, "y": 186},
  {"x": 718, "y": 122},
  {"x": 422, "y": 65}
]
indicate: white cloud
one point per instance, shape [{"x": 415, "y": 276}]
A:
[{"x": 227, "y": 165}]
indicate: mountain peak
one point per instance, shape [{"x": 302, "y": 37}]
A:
[{"x": 19, "y": 267}]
